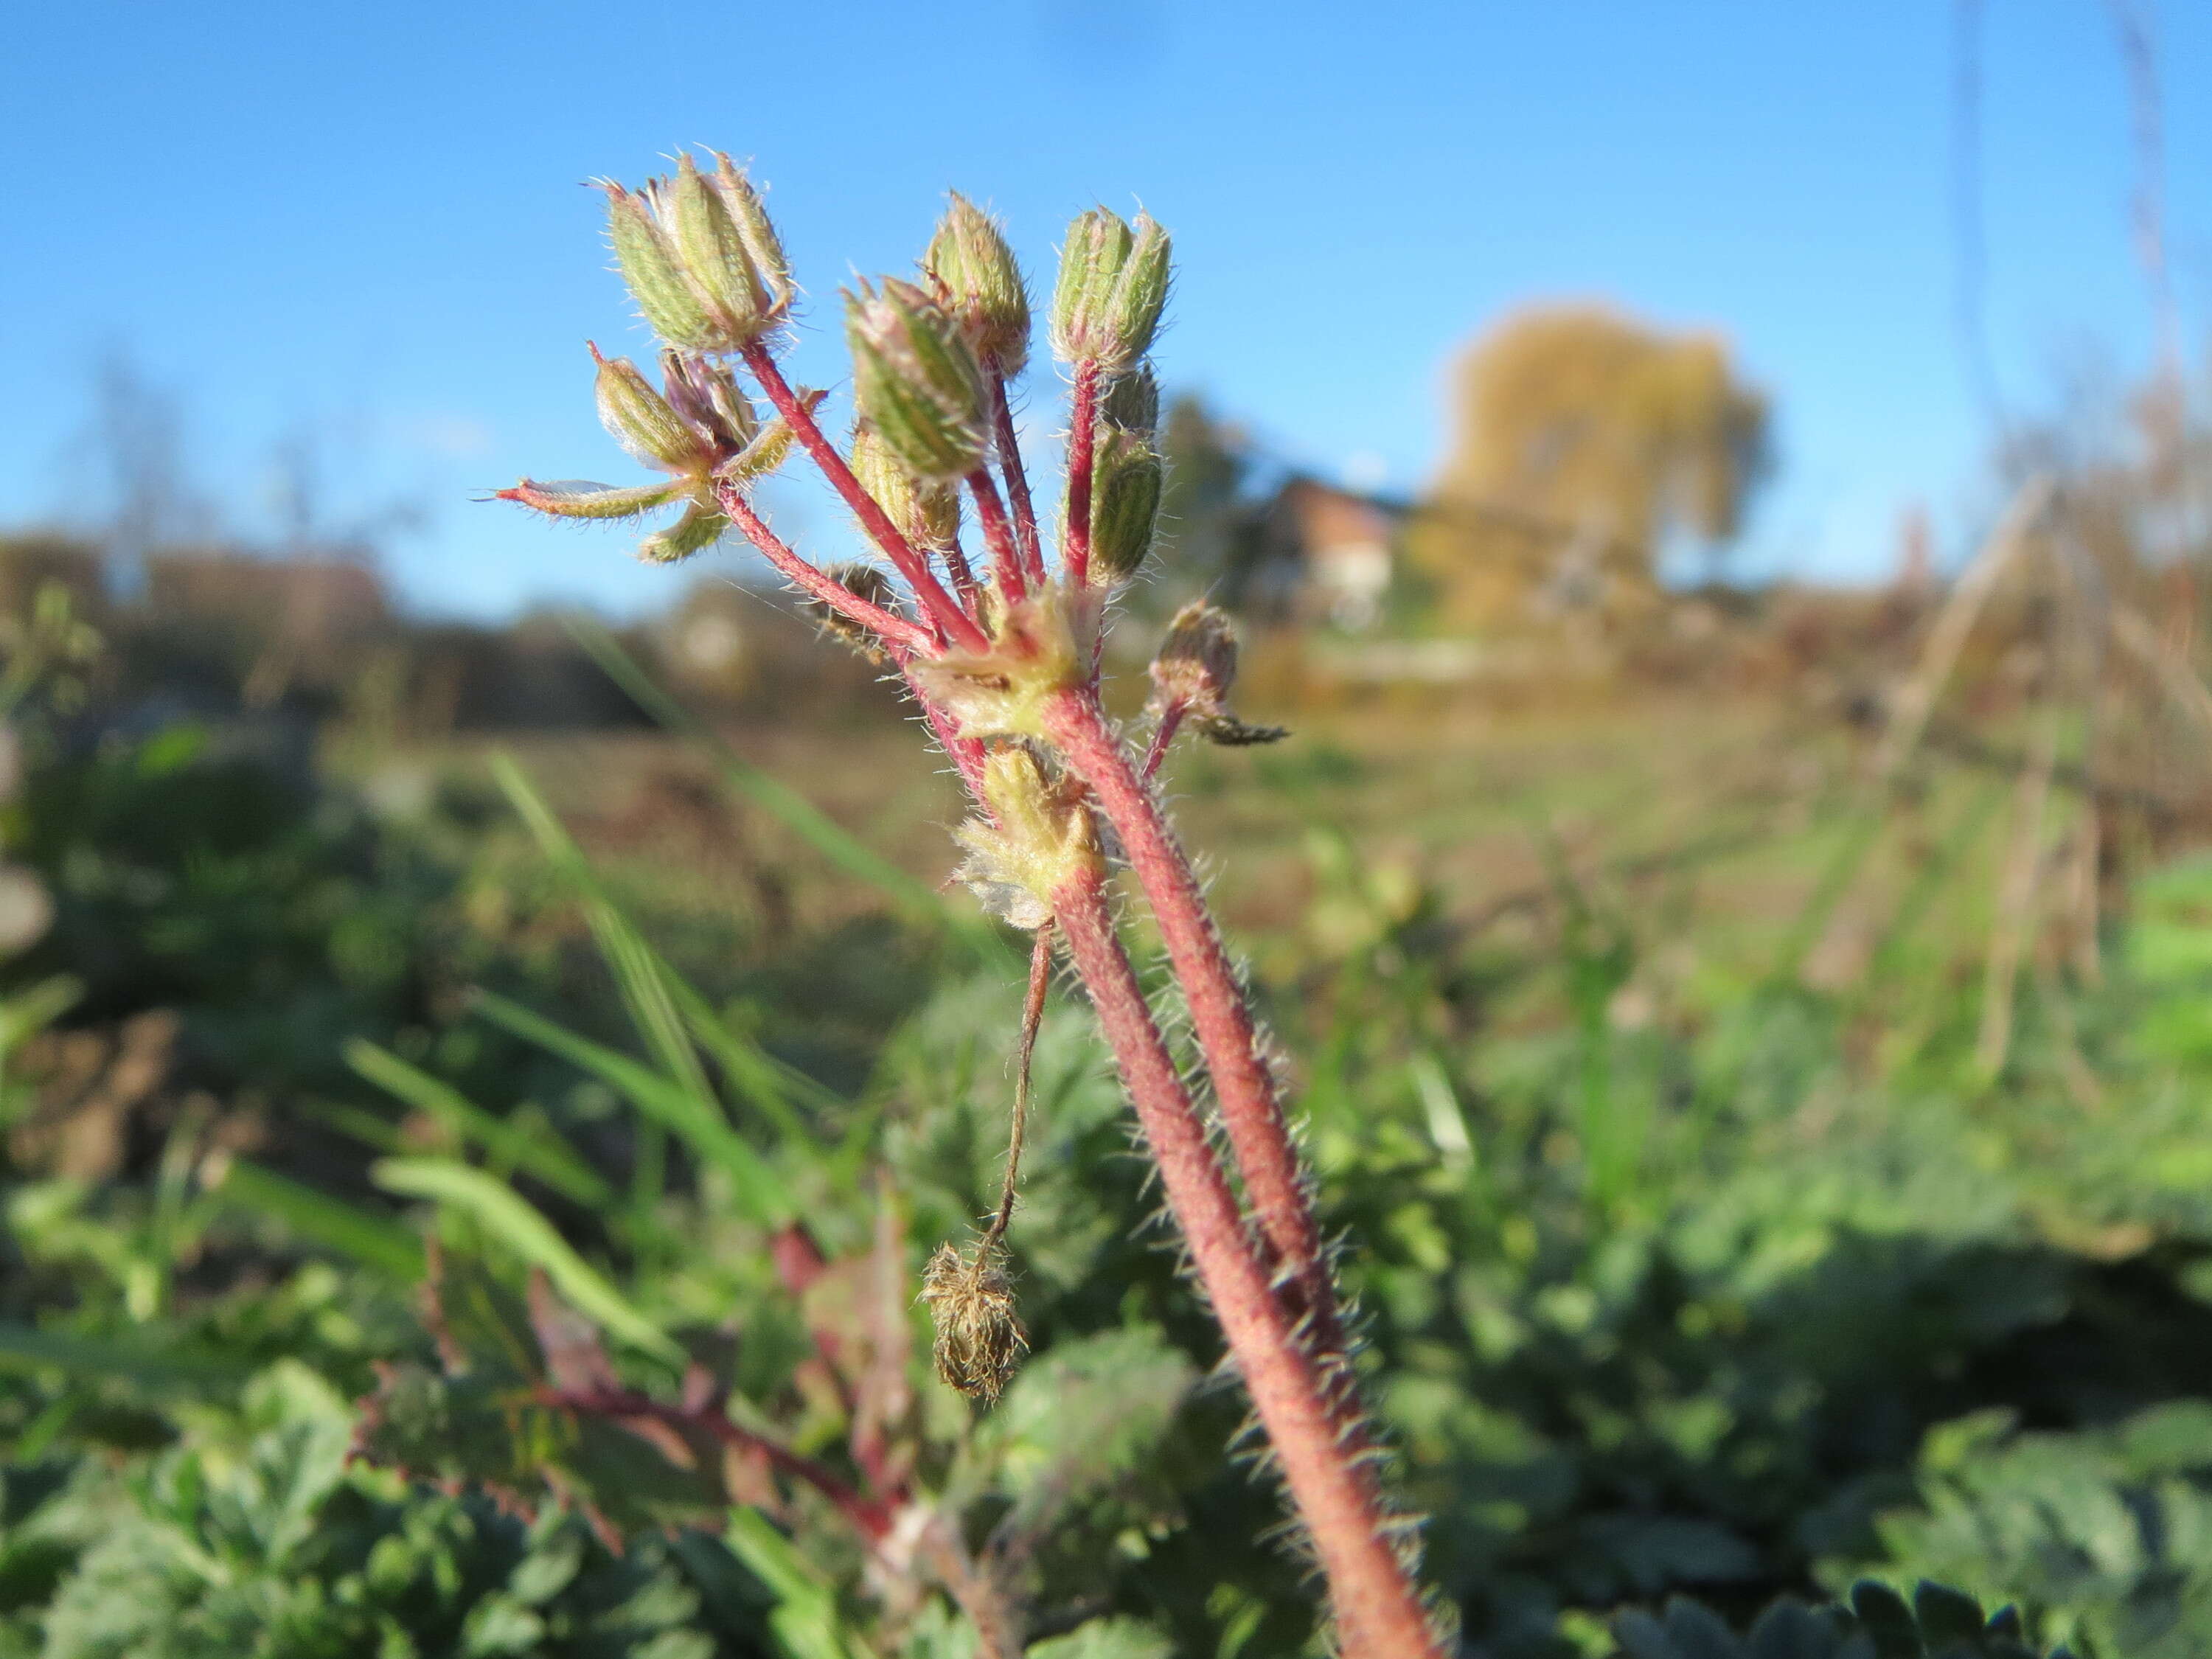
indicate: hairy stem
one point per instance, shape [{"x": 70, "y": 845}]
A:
[
  {"x": 897, "y": 630},
  {"x": 1032, "y": 1015},
  {"x": 1017, "y": 479},
  {"x": 1163, "y": 737},
  {"x": 1378, "y": 1610},
  {"x": 1082, "y": 450},
  {"x": 1251, "y": 1108},
  {"x": 928, "y": 591},
  {"x": 998, "y": 536}
]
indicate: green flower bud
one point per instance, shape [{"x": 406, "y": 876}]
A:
[
  {"x": 700, "y": 256},
  {"x": 981, "y": 284},
  {"x": 927, "y": 510},
  {"x": 643, "y": 422},
  {"x": 699, "y": 529},
  {"x": 712, "y": 252},
  {"x": 655, "y": 278},
  {"x": 1125, "y": 505},
  {"x": 578, "y": 498},
  {"x": 1132, "y": 402},
  {"x": 1112, "y": 288},
  {"x": 917, "y": 379}
]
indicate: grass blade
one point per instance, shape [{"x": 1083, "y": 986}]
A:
[
  {"x": 552, "y": 1161},
  {"x": 322, "y": 1219},
  {"x": 507, "y": 1216},
  {"x": 696, "y": 1118}
]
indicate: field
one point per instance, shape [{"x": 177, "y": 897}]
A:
[{"x": 1716, "y": 1229}]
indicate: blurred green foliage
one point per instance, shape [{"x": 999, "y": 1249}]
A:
[{"x": 1730, "y": 1303}]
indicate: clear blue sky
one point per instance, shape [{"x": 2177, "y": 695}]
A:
[{"x": 366, "y": 219}]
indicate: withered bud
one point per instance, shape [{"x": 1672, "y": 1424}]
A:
[
  {"x": 1112, "y": 290},
  {"x": 917, "y": 379},
  {"x": 1192, "y": 673},
  {"x": 706, "y": 394},
  {"x": 979, "y": 1339},
  {"x": 1132, "y": 402},
  {"x": 981, "y": 284},
  {"x": 643, "y": 421},
  {"x": 927, "y": 510},
  {"x": 1196, "y": 664},
  {"x": 1125, "y": 504},
  {"x": 866, "y": 581}
]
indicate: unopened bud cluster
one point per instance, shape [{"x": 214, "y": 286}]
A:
[
  {"x": 1192, "y": 673},
  {"x": 1112, "y": 290},
  {"x": 700, "y": 256}
]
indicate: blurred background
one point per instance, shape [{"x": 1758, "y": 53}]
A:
[{"x": 1722, "y": 496}]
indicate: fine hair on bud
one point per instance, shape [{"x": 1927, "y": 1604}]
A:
[
  {"x": 979, "y": 1340},
  {"x": 927, "y": 510},
  {"x": 1125, "y": 504},
  {"x": 981, "y": 283},
  {"x": 1132, "y": 402},
  {"x": 917, "y": 379},
  {"x": 1112, "y": 290},
  {"x": 1192, "y": 674},
  {"x": 864, "y": 581},
  {"x": 643, "y": 421},
  {"x": 700, "y": 258}
]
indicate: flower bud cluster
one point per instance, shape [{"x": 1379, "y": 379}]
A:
[
  {"x": 700, "y": 256},
  {"x": 697, "y": 427},
  {"x": 1112, "y": 288},
  {"x": 917, "y": 379},
  {"x": 973, "y": 268}
]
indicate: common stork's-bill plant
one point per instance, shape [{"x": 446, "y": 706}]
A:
[{"x": 998, "y": 645}]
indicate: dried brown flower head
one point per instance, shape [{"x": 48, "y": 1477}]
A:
[{"x": 979, "y": 1339}]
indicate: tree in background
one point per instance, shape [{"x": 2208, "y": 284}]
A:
[
  {"x": 1585, "y": 440},
  {"x": 1209, "y": 462}
]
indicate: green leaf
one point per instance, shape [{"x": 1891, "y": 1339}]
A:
[{"x": 510, "y": 1219}]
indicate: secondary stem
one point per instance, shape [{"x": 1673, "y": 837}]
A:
[
  {"x": 928, "y": 591},
  {"x": 1018, "y": 480},
  {"x": 778, "y": 552},
  {"x": 1378, "y": 1613},
  {"x": 1251, "y": 1108},
  {"x": 998, "y": 536},
  {"x": 1082, "y": 447}
]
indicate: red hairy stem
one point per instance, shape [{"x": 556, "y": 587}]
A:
[
  {"x": 870, "y": 1517},
  {"x": 1082, "y": 449},
  {"x": 963, "y": 579},
  {"x": 1251, "y": 1108},
  {"x": 1163, "y": 739},
  {"x": 1378, "y": 1609},
  {"x": 998, "y": 536},
  {"x": 1018, "y": 480},
  {"x": 928, "y": 591},
  {"x": 896, "y": 631}
]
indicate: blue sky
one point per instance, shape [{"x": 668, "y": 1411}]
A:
[{"x": 365, "y": 221}]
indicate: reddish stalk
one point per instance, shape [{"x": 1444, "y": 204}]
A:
[
  {"x": 963, "y": 579},
  {"x": 928, "y": 591},
  {"x": 895, "y": 630},
  {"x": 1251, "y": 1108},
  {"x": 1378, "y": 1610},
  {"x": 1082, "y": 449},
  {"x": 870, "y": 1517},
  {"x": 998, "y": 536},
  {"x": 1017, "y": 479},
  {"x": 1163, "y": 737}
]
